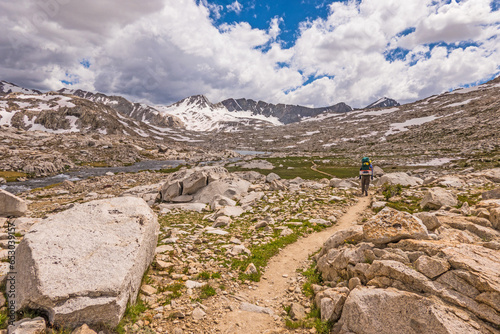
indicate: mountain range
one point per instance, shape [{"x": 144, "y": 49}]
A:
[{"x": 195, "y": 113}]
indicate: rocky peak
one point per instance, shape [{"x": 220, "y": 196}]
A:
[
  {"x": 384, "y": 102},
  {"x": 8, "y": 87},
  {"x": 286, "y": 113}
]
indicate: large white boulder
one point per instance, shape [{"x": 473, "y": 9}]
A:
[
  {"x": 399, "y": 178},
  {"x": 391, "y": 225},
  {"x": 437, "y": 197},
  {"x": 11, "y": 205},
  {"x": 83, "y": 265},
  {"x": 231, "y": 187},
  {"x": 389, "y": 311},
  {"x": 190, "y": 181}
]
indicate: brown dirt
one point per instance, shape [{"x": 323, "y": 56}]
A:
[{"x": 279, "y": 275}]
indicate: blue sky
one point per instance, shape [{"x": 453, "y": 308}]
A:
[
  {"x": 260, "y": 13},
  {"x": 309, "y": 52}
]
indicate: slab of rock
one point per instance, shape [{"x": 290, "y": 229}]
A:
[
  {"x": 84, "y": 329},
  {"x": 342, "y": 183},
  {"x": 482, "y": 263},
  {"x": 272, "y": 177},
  {"x": 221, "y": 201},
  {"x": 83, "y": 265},
  {"x": 28, "y": 326},
  {"x": 451, "y": 181},
  {"x": 430, "y": 220},
  {"x": 491, "y": 174},
  {"x": 232, "y": 188},
  {"x": 251, "y": 269},
  {"x": 251, "y": 198},
  {"x": 492, "y": 194},
  {"x": 11, "y": 205},
  {"x": 231, "y": 211},
  {"x": 198, "y": 207},
  {"x": 222, "y": 221},
  {"x": 437, "y": 197},
  {"x": 432, "y": 266},
  {"x": 389, "y": 311},
  {"x": 297, "y": 311},
  {"x": 198, "y": 314},
  {"x": 331, "y": 301},
  {"x": 390, "y": 225},
  {"x": 399, "y": 178},
  {"x": 190, "y": 181},
  {"x": 353, "y": 234},
  {"x": 495, "y": 217},
  {"x": 254, "y": 308}
]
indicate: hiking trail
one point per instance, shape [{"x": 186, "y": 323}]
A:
[{"x": 279, "y": 275}]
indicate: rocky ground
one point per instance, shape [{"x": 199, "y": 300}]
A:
[{"x": 240, "y": 262}]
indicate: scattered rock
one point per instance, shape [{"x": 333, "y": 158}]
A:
[
  {"x": 492, "y": 194},
  {"x": 437, "y": 197},
  {"x": 272, "y": 177},
  {"x": 390, "y": 225},
  {"x": 297, "y": 312},
  {"x": 84, "y": 329},
  {"x": 431, "y": 266},
  {"x": 251, "y": 269},
  {"x": 399, "y": 178},
  {"x": 198, "y": 314},
  {"x": 28, "y": 326},
  {"x": 255, "y": 309},
  {"x": 11, "y": 205}
]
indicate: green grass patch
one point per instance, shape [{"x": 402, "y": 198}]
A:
[
  {"x": 207, "y": 291},
  {"x": 175, "y": 289},
  {"x": 261, "y": 254},
  {"x": 132, "y": 314},
  {"x": 313, "y": 320},
  {"x": 204, "y": 275},
  {"x": 471, "y": 199},
  {"x": 292, "y": 167},
  {"x": 11, "y": 176},
  {"x": 409, "y": 204},
  {"x": 95, "y": 164},
  {"x": 169, "y": 170},
  {"x": 391, "y": 190}
]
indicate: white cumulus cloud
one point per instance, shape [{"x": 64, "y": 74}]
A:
[{"x": 161, "y": 51}]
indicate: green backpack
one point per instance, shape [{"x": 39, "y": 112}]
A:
[{"x": 365, "y": 163}]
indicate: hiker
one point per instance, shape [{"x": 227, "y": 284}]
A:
[{"x": 365, "y": 173}]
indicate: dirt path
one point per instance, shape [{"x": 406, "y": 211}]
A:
[
  {"x": 278, "y": 277},
  {"x": 314, "y": 167}
]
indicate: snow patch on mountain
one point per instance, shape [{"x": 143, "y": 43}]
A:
[
  {"x": 401, "y": 127},
  {"x": 198, "y": 114},
  {"x": 384, "y": 102},
  {"x": 7, "y": 88}
]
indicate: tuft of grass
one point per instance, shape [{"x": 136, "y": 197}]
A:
[
  {"x": 95, "y": 164},
  {"x": 313, "y": 276},
  {"x": 471, "y": 199},
  {"x": 132, "y": 314},
  {"x": 207, "y": 291},
  {"x": 175, "y": 289},
  {"x": 410, "y": 204},
  {"x": 261, "y": 255},
  {"x": 11, "y": 176},
  {"x": 204, "y": 275},
  {"x": 391, "y": 190}
]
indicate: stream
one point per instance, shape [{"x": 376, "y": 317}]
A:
[{"x": 18, "y": 187}]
